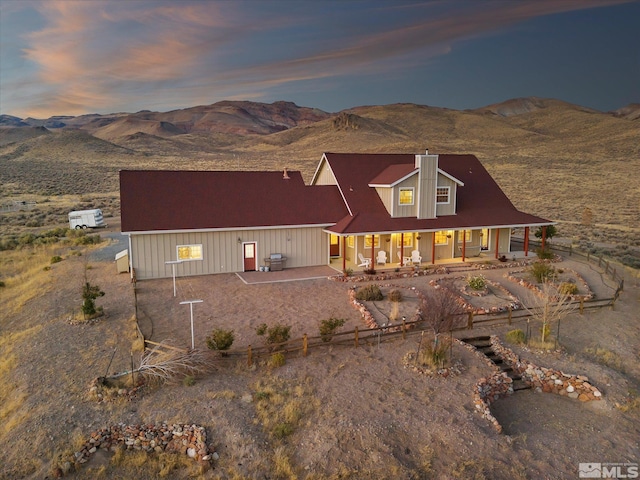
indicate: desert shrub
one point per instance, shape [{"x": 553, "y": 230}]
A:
[
  {"x": 282, "y": 430},
  {"x": 369, "y": 293},
  {"x": 476, "y": 282},
  {"x": 347, "y": 272},
  {"x": 89, "y": 295},
  {"x": 220, "y": 339},
  {"x": 568, "y": 288},
  {"x": 189, "y": 381},
  {"x": 87, "y": 240},
  {"x": 544, "y": 254},
  {"x": 434, "y": 354},
  {"x": 26, "y": 239},
  {"x": 370, "y": 271},
  {"x": 277, "y": 360},
  {"x": 261, "y": 329},
  {"x": 56, "y": 259},
  {"x": 328, "y": 327},
  {"x": 542, "y": 272},
  {"x": 395, "y": 295},
  {"x": 275, "y": 334},
  {"x": 516, "y": 336},
  {"x": 2, "y": 284},
  {"x": 551, "y": 231}
]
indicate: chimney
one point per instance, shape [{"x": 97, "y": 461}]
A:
[{"x": 285, "y": 175}]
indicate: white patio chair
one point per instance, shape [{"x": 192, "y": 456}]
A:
[
  {"x": 382, "y": 258},
  {"x": 364, "y": 262},
  {"x": 415, "y": 257}
]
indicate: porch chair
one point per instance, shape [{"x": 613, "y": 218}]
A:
[
  {"x": 415, "y": 257},
  {"x": 382, "y": 258},
  {"x": 364, "y": 262}
]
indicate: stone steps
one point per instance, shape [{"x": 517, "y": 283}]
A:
[{"x": 483, "y": 345}]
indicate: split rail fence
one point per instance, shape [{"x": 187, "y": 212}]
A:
[{"x": 372, "y": 336}]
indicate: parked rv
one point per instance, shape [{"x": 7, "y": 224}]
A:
[{"x": 86, "y": 219}]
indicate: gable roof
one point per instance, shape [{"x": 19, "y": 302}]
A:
[
  {"x": 161, "y": 200},
  {"x": 480, "y": 202}
]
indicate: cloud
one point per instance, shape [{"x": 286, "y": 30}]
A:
[{"x": 105, "y": 54}]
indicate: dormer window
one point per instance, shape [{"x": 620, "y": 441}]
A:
[
  {"x": 443, "y": 194},
  {"x": 406, "y": 196}
]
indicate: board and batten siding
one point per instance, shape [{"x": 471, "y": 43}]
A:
[
  {"x": 222, "y": 252},
  {"x": 406, "y": 210},
  {"x": 447, "y": 208},
  {"x": 325, "y": 175}
]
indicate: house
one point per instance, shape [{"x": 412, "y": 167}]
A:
[{"x": 443, "y": 206}]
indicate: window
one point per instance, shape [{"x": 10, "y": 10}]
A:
[
  {"x": 350, "y": 241},
  {"x": 442, "y": 195},
  {"x": 442, "y": 237},
  {"x": 189, "y": 252},
  {"x": 406, "y": 196},
  {"x": 466, "y": 233},
  {"x": 407, "y": 239},
  {"x": 367, "y": 241}
]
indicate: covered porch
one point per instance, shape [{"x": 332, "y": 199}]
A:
[{"x": 392, "y": 250}]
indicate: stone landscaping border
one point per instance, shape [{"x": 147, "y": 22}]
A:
[
  {"x": 368, "y": 319},
  {"x": 547, "y": 380},
  {"x": 535, "y": 289},
  {"x": 190, "y": 440},
  {"x": 469, "y": 307}
]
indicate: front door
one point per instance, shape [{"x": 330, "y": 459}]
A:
[
  {"x": 334, "y": 245},
  {"x": 249, "y": 256}
]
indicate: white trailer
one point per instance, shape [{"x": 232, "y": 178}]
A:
[{"x": 86, "y": 219}]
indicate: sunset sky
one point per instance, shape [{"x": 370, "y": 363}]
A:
[{"x": 70, "y": 57}]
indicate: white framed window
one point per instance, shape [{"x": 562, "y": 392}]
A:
[
  {"x": 443, "y": 194},
  {"x": 442, "y": 237},
  {"x": 407, "y": 240},
  {"x": 367, "y": 241},
  {"x": 405, "y": 196},
  {"x": 466, "y": 233},
  {"x": 189, "y": 252},
  {"x": 351, "y": 241}
]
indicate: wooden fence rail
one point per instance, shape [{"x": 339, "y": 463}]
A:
[{"x": 377, "y": 335}]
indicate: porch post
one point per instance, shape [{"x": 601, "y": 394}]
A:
[
  {"x": 402, "y": 249},
  {"x": 497, "y": 242},
  {"x": 344, "y": 253},
  {"x": 544, "y": 236},
  {"x": 464, "y": 243},
  {"x": 526, "y": 241},
  {"x": 373, "y": 251},
  {"x": 433, "y": 248}
]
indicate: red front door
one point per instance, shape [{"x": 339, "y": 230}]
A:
[
  {"x": 334, "y": 246},
  {"x": 249, "y": 256}
]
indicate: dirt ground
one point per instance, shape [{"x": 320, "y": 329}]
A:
[{"x": 364, "y": 415}]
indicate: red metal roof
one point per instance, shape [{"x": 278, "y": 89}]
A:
[
  {"x": 187, "y": 200},
  {"x": 156, "y": 200},
  {"x": 480, "y": 202}
]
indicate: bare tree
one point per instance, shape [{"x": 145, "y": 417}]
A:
[
  {"x": 551, "y": 306},
  {"x": 440, "y": 310},
  {"x": 441, "y": 307}
]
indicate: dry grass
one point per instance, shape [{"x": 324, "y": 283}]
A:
[{"x": 281, "y": 406}]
